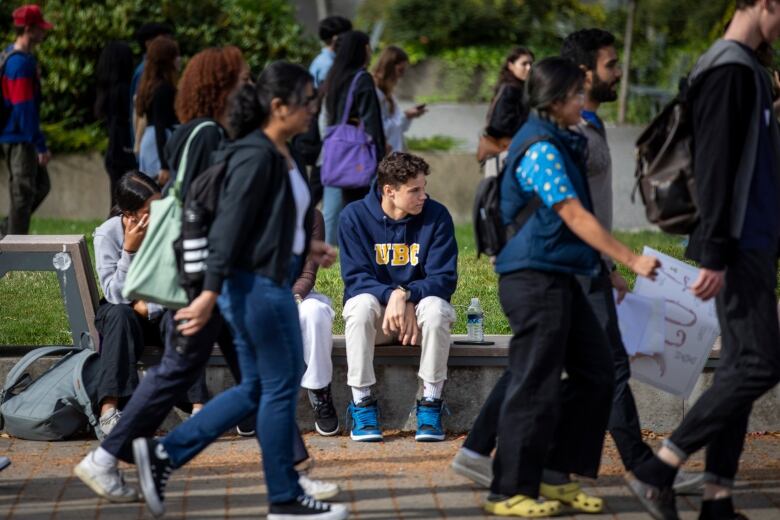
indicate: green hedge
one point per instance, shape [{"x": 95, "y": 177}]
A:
[{"x": 265, "y": 30}]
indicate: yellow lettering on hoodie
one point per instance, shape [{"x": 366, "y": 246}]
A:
[
  {"x": 414, "y": 251},
  {"x": 382, "y": 253},
  {"x": 400, "y": 254}
]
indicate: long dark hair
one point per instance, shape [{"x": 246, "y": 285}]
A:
[
  {"x": 251, "y": 105},
  {"x": 505, "y": 76},
  {"x": 114, "y": 72},
  {"x": 160, "y": 68},
  {"x": 551, "y": 80},
  {"x": 351, "y": 56},
  {"x": 132, "y": 191}
]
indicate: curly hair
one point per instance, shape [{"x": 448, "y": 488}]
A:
[
  {"x": 160, "y": 68},
  {"x": 397, "y": 168},
  {"x": 207, "y": 81}
]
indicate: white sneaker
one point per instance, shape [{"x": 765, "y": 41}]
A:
[
  {"x": 109, "y": 420},
  {"x": 477, "y": 469},
  {"x": 318, "y": 489},
  {"x": 687, "y": 483},
  {"x": 106, "y": 481}
]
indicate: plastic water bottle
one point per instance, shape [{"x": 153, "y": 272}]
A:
[{"x": 475, "y": 320}]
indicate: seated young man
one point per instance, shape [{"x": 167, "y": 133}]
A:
[{"x": 399, "y": 265}]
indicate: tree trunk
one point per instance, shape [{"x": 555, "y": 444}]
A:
[{"x": 628, "y": 40}]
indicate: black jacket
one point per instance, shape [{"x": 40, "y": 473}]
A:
[
  {"x": 255, "y": 223},
  {"x": 365, "y": 108},
  {"x": 203, "y": 145},
  {"x": 509, "y": 112}
]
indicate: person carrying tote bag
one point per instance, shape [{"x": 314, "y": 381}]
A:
[{"x": 153, "y": 275}]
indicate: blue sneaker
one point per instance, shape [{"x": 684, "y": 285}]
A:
[
  {"x": 365, "y": 422},
  {"x": 429, "y": 428}
]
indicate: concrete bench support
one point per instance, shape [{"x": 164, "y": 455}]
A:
[{"x": 68, "y": 257}]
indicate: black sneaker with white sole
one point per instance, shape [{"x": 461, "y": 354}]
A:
[
  {"x": 306, "y": 508},
  {"x": 246, "y": 428},
  {"x": 154, "y": 469},
  {"x": 326, "y": 420}
]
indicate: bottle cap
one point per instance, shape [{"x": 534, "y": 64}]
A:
[{"x": 475, "y": 301}]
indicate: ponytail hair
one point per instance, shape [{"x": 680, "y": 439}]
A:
[
  {"x": 250, "y": 107},
  {"x": 132, "y": 191}
]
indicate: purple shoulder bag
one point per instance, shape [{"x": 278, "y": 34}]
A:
[{"x": 348, "y": 152}]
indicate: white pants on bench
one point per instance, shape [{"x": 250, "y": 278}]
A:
[
  {"x": 363, "y": 315},
  {"x": 316, "y": 316}
]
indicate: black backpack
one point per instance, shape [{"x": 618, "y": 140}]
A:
[
  {"x": 5, "y": 108},
  {"x": 200, "y": 208},
  {"x": 490, "y": 233},
  {"x": 664, "y": 168}
]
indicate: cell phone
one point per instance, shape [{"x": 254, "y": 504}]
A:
[{"x": 421, "y": 106}]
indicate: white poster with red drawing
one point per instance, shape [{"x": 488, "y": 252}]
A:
[{"x": 691, "y": 328}]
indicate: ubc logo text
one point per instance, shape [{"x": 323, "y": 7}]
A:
[{"x": 397, "y": 254}]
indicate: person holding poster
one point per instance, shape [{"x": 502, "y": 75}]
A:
[
  {"x": 546, "y": 423},
  {"x": 736, "y": 165}
]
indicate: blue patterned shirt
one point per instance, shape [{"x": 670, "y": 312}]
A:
[{"x": 541, "y": 171}]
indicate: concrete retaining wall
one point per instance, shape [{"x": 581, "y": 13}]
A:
[
  {"x": 466, "y": 390},
  {"x": 80, "y": 188}
]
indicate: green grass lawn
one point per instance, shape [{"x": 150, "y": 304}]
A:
[{"x": 32, "y": 313}]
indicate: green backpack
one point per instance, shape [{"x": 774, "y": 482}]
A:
[{"x": 153, "y": 275}]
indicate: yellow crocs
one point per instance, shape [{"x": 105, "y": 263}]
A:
[
  {"x": 572, "y": 495},
  {"x": 523, "y": 506}
]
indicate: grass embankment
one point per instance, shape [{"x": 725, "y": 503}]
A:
[{"x": 32, "y": 313}]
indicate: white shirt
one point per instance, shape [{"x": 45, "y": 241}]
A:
[
  {"x": 302, "y": 198},
  {"x": 394, "y": 124}
]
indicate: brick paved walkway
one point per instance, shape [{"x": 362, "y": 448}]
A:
[{"x": 396, "y": 479}]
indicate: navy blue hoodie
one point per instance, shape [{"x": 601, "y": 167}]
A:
[{"x": 378, "y": 253}]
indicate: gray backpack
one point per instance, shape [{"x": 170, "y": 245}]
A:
[{"x": 53, "y": 406}]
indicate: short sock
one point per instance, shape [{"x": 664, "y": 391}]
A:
[
  {"x": 721, "y": 508},
  {"x": 432, "y": 390},
  {"x": 103, "y": 458},
  {"x": 555, "y": 478},
  {"x": 472, "y": 454},
  {"x": 360, "y": 393},
  {"x": 656, "y": 472}
]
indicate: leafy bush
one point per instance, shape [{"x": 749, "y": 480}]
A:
[
  {"x": 63, "y": 137},
  {"x": 265, "y": 31},
  {"x": 434, "y": 143}
]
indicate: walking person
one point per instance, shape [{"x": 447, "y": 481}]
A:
[
  {"x": 593, "y": 50},
  {"x": 736, "y": 160},
  {"x": 155, "y": 102},
  {"x": 257, "y": 244},
  {"x": 508, "y": 110},
  {"x": 546, "y": 423},
  {"x": 218, "y": 71},
  {"x": 353, "y": 54},
  {"x": 21, "y": 139},
  {"x": 388, "y": 71},
  {"x": 112, "y": 107}
]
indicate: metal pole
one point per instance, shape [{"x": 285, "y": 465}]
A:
[
  {"x": 628, "y": 43},
  {"x": 322, "y": 9}
]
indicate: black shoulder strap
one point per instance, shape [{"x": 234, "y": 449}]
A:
[{"x": 532, "y": 205}]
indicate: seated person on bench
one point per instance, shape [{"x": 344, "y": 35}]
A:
[
  {"x": 399, "y": 265},
  {"x": 125, "y": 327}
]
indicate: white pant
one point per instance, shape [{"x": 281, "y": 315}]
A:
[
  {"x": 363, "y": 315},
  {"x": 316, "y": 316}
]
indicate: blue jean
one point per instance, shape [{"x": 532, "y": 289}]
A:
[
  {"x": 332, "y": 203},
  {"x": 263, "y": 318}
]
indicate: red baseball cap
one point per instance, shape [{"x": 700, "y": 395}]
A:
[{"x": 30, "y": 15}]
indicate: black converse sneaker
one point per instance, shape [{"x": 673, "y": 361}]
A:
[
  {"x": 304, "y": 508},
  {"x": 154, "y": 468},
  {"x": 326, "y": 420}
]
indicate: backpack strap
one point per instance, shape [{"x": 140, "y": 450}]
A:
[
  {"x": 82, "y": 396},
  {"x": 181, "y": 170},
  {"x": 534, "y": 203},
  {"x": 16, "y": 373},
  {"x": 350, "y": 96}
]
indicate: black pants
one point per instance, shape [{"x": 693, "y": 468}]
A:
[
  {"x": 124, "y": 334},
  {"x": 315, "y": 185},
  {"x": 546, "y": 421},
  {"x": 624, "y": 419},
  {"x": 353, "y": 194},
  {"x": 167, "y": 383},
  {"x": 28, "y": 186},
  {"x": 749, "y": 366}
]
